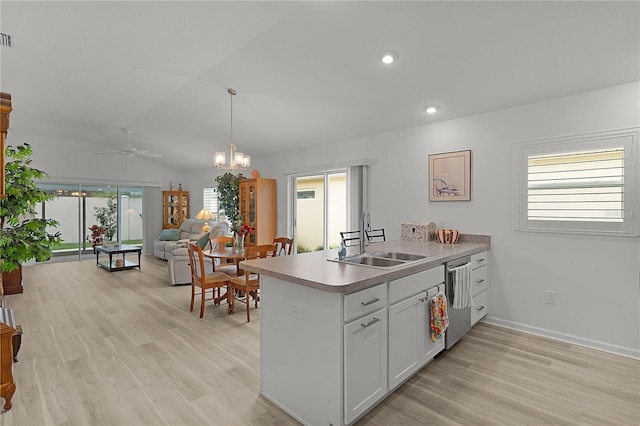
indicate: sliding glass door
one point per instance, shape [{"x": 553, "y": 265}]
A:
[
  {"x": 77, "y": 207},
  {"x": 320, "y": 210}
]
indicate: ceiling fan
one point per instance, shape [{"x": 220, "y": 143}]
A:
[{"x": 131, "y": 152}]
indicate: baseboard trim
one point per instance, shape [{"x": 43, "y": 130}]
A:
[{"x": 568, "y": 338}]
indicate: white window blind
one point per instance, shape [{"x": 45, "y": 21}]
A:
[
  {"x": 210, "y": 201},
  {"x": 583, "y": 184}
]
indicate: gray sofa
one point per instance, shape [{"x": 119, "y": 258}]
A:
[
  {"x": 175, "y": 251},
  {"x": 169, "y": 239}
]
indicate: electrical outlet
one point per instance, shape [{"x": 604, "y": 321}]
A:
[
  {"x": 550, "y": 297},
  {"x": 295, "y": 311}
]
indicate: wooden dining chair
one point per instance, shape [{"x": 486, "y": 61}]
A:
[
  {"x": 219, "y": 243},
  {"x": 250, "y": 283},
  {"x": 206, "y": 281},
  {"x": 284, "y": 246}
]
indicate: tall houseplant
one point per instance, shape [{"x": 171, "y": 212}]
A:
[
  {"x": 108, "y": 217},
  {"x": 22, "y": 235},
  {"x": 228, "y": 197}
]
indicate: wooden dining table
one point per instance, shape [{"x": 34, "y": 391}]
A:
[{"x": 225, "y": 254}]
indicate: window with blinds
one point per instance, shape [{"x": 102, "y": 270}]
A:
[
  {"x": 583, "y": 185},
  {"x": 210, "y": 200},
  {"x": 579, "y": 185}
]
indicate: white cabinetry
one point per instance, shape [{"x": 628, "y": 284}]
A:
[
  {"x": 479, "y": 289},
  {"x": 327, "y": 357},
  {"x": 365, "y": 363},
  {"x": 365, "y": 350},
  {"x": 410, "y": 345}
]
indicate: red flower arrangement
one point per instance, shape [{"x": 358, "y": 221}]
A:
[
  {"x": 97, "y": 235},
  {"x": 244, "y": 230}
]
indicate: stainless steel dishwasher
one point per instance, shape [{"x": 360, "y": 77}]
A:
[{"x": 459, "y": 319}]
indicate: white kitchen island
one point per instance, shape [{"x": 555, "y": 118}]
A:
[{"x": 325, "y": 331}]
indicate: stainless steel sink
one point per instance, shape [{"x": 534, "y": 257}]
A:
[
  {"x": 374, "y": 261},
  {"x": 407, "y": 257},
  {"x": 382, "y": 259}
]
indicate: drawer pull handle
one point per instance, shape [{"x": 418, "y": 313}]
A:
[
  {"x": 480, "y": 308},
  {"x": 374, "y": 300},
  {"x": 481, "y": 260},
  {"x": 480, "y": 281},
  {"x": 367, "y": 324},
  {"x": 423, "y": 299}
]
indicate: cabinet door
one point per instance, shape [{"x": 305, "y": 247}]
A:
[
  {"x": 410, "y": 345},
  {"x": 407, "y": 325},
  {"x": 247, "y": 196},
  {"x": 365, "y": 363},
  {"x": 184, "y": 207}
]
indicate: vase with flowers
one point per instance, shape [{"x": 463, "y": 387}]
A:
[{"x": 240, "y": 231}]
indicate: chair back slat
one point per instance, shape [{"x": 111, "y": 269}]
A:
[
  {"x": 219, "y": 243},
  {"x": 261, "y": 251},
  {"x": 196, "y": 262},
  {"x": 284, "y": 246}
]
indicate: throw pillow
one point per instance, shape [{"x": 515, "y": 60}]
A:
[
  {"x": 169, "y": 235},
  {"x": 203, "y": 241}
]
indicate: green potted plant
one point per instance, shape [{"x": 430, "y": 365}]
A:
[
  {"x": 228, "y": 197},
  {"x": 108, "y": 217},
  {"x": 22, "y": 235}
]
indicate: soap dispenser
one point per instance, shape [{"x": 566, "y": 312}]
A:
[{"x": 342, "y": 251}]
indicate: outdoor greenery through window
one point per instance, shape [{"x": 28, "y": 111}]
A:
[
  {"x": 581, "y": 185},
  {"x": 118, "y": 210}
]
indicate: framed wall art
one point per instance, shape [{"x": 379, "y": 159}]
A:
[{"x": 450, "y": 176}]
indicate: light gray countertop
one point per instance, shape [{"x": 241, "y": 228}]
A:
[{"x": 314, "y": 269}]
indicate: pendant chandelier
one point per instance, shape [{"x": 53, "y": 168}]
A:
[{"x": 237, "y": 159}]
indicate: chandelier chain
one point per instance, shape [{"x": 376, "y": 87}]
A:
[{"x": 236, "y": 159}]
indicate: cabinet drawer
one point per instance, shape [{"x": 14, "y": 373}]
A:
[
  {"x": 365, "y": 301},
  {"x": 479, "y": 307},
  {"x": 479, "y": 259},
  {"x": 478, "y": 281},
  {"x": 413, "y": 284}
]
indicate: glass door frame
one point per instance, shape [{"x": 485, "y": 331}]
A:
[
  {"x": 79, "y": 191},
  {"x": 356, "y": 195}
]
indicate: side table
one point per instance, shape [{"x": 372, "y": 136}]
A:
[{"x": 119, "y": 262}]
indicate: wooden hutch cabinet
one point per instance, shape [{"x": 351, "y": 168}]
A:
[
  {"x": 175, "y": 208},
  {"x": 258, "y": 208}
]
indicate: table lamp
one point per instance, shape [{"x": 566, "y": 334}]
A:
[{"x": 205, "y": 214}]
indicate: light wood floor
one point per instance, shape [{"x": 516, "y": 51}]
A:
[{"x": 122, "y": 348}]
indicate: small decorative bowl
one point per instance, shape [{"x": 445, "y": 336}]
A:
[{"x": 448, "y": 236}]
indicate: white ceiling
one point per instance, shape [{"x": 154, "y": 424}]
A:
[{"x": 307, "y": 73}]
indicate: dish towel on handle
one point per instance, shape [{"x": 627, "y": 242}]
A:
[
  {"x": 462, "y": 286},
  {"x": 439, "y": 318}
]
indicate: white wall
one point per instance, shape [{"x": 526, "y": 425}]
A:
[{"x": 596, "y": 278}]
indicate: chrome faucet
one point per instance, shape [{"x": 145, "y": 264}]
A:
[{"x": 365, "y": 225}]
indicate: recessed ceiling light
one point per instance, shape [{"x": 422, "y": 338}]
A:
[
  {"x": 432, "y": 109},
  {"x": 388, "y": 57}
]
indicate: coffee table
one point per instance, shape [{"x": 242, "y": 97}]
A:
[{"x": 118, "y": 263}]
